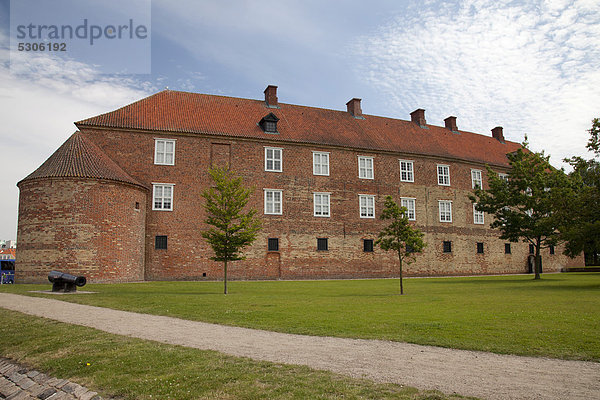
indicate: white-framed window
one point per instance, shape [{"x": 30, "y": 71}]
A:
[
  {"x": 443, "y": 173},
  {"x": 478, "y": 216},
  {"x": 504, "y": 177},
  {"x": 321, "y": 205},
  {"x": 476, "y": 181},
  {"x": 445, "y": 207},
  {"x": 365, "y": 167},
  {"x": 164, "y": 151},
  {"x": 273, "y": 160},
  {"x": 320, "y": 163},
  {"x": 367, "y": 205},
  {"x": 409, "y": 203},
  {"x": 273, "y": 201},
  {"x": 407, "y": 171},
  {"x": 162, "y": 196}
]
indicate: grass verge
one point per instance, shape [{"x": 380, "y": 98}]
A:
[
  {"x": 558, "y": 316},
  {"x": 137, "y": 369}
]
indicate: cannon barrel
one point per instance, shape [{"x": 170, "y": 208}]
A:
[
  {"x": 65, "y": 282},
  {"x": 54, "y": 276}
]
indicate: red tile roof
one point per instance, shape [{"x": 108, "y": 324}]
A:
[
  {"x": 173, "y": 111},
  {"x": 78, "y": 157},
  {"x": 10, "y": 251}
]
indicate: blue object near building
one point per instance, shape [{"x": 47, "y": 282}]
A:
[
  {"x": 7, "y": 276},
  {"x": 7, "y": 270}
]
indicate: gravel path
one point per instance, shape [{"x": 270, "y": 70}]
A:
[{"x": 485, "y": 375}]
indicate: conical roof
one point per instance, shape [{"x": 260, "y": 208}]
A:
[{"x": 78, "y": 157}]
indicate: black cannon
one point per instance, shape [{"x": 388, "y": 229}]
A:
[{"x": 62, "y": 282}]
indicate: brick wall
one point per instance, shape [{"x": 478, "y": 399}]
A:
[
  {"x": 187, "y": 255},
  {"x": 83, "y": 226}
]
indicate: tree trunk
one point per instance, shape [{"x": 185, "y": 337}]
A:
[
  {"x": 538, "y": 259},
  {"x": 401, "y": 287},
  {"x": 225, "y": 276}
]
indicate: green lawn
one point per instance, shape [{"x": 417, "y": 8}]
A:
[
  {"x": 136, "y": 369},
  {"x": 558, "y": 316}
]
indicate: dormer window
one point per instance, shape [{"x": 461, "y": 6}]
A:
[{"x": 269, "y": 123}]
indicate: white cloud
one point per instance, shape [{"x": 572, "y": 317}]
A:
[
  {"x": 531, "y": 68},
  {"x": 40, "y": 98}
]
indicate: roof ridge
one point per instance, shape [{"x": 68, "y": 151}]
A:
[
  {"x": 286, "y": 104},
  {"x": 180, "y": 112}
]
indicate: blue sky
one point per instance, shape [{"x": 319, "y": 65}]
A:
[{"x": 529, "y": 66}]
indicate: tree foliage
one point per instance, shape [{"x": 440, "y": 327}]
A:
[
  {"x": 399, "y": 235},
  {"x": 581, "y": 210},
  {"x": 232, "y": 228},
  {"x": 594, "y": 141},
  {"x": 523, "y": 204}
]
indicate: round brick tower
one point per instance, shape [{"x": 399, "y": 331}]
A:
[{"x": 80, "y": 213}]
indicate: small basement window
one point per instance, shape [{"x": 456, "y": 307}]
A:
[
  {"x": 479, "y": 248},
  {"x": 447, "y": 246},
  {"x": 507, "y": 249},
  {"x": 273, "y": 244},
  {"x": 160, "y": 243},
  {"x": 322, "y": 244},
  {"x": 368, "y": 245},
  {"x": 269, "y": 123}
]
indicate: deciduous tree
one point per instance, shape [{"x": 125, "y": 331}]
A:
[
  {"x": 523, "y": 202},
  {"x": 232, "y": 228},
  {"x": 581, "y": 210},
  {"x": 400, "y": 235}
]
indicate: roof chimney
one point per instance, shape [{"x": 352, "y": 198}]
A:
[
  {"x": 497, "y": 134},
  {"x": 418, "y": 117},
  {"x": 451, "y": 123},
  {"x": 354, "y": 108},
  {"x": 271, "y": 96}
]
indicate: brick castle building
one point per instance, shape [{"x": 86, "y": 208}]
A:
[{"x": 120, "y": 199}]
